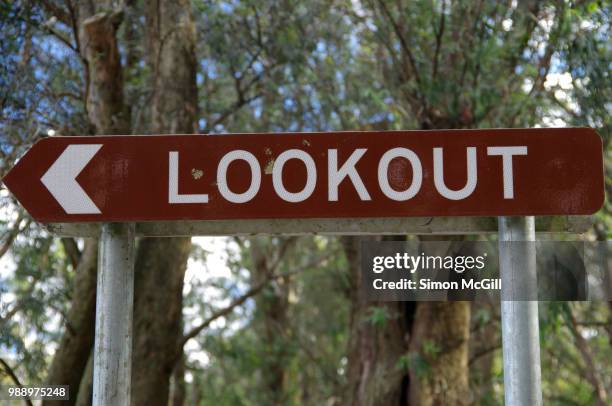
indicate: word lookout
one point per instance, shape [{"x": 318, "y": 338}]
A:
[{"x": 345, "y": 171}]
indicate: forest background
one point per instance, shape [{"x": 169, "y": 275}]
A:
[{"x": 282, "y": 320}]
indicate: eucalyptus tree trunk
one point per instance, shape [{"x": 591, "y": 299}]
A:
[
  {"x": 484, "y": 340},
  {"x": 443, "y": 327},
  {"x": 272, "y": 308},
  {"x": 161, "y": 262},
  {"x": 414, "y": 353},
  {"x": 440, "y": 336},
  {"x": 85, "y": 395},
  {"x": 375, "y": 375},
  {"x": 178, "y": 387},
  {"x": 70, "y": 359}
]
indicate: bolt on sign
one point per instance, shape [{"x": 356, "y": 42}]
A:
[{"x": 499, "y": 172}]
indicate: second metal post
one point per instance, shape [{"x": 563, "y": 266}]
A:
[
  {"x": 114, "y": 305},
  {"x": 520, "y": 329}
]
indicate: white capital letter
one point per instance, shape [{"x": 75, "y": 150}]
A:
[
  {"x": 417, "y": 174},
  {"x": 277, "y": 175},
  {"x": 506, "y": 154},
  {"x": 470, "y": 185},
  {"x": 222, "y": 176},
  {"x": 336, "y": 176},
  {"x": 173, "y": 195}
]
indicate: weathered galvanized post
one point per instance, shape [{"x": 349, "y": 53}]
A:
[
  {"x": 114, "y": 304},
  {"x": 520, "y": 330}
]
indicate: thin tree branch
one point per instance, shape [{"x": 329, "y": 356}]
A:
[
  {"x": 544, "y": 63},
  {"x": 12, "y": 233},
  {"x": 11, "y": 373},
  {"x": 590, "y": 370},
  {"x": 287, "y": 243},
  {"x": 24, "y": 298},
  {"x": 56, "y": 34},
  {"x": 594, "y": 323},
  {"x": 57, "y": 11},
  {"x": 561, "y": 104},
  {"x": 233, "y": 109},
  {"x": 75, "y": 30},
  {"x": 439, "y": 33},
  {"x": 72, "y": 251},
  {"x": 239, "y": 301},
  {"x": 405, "y": 49},
  {"x": 483, "y": 352},
  {"x": 316, "y": 360}
]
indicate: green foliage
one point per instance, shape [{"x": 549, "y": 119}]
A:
[
  {"x": 482, "y": 316},
  {"x": 415, "y": 362},
  {"x": 378, "y": 316},
  {"x": 430, "y": 349},
  {"x": 564, "y": 366},
  {"x": 40, "y": 285},
  {"x": 308, "y": 66}
]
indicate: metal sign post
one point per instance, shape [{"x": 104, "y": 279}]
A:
[
  {"x": 520, "y": 329},
  {"x": 114, "y": 309}
]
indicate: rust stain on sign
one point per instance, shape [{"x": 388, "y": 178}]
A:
[{"x": 197, "y": 173}]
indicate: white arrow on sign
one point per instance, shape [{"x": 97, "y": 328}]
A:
[{"x": 60, "y": 179}]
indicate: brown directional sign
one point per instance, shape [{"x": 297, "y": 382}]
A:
[{"x": 312, "y": 175}]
